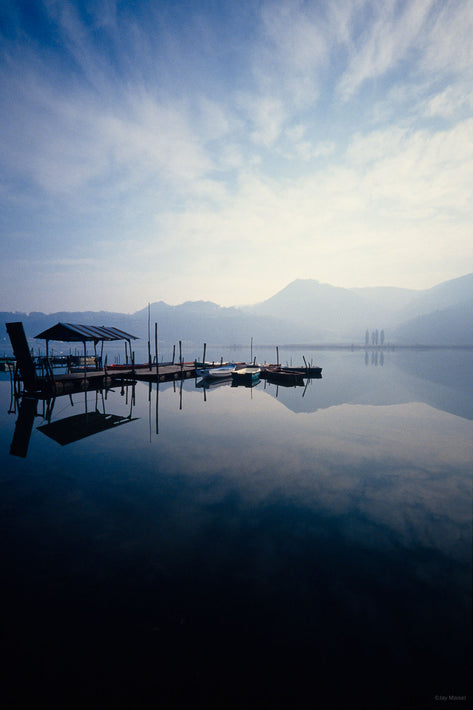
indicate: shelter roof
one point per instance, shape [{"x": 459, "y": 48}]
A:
[
  {"x": 66, "y": 431},
  {"x": 71, "y": 332}
]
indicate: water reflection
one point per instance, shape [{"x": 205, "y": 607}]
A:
[
  {"x": 374, "y": 358},
  {"x": 23, "y": 427},
  {"x": 246, "y": 548},
  {"x": 67, "y": 429}
]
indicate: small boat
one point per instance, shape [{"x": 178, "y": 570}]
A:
[
  {"x": 246, "y": 375},
  {"x": 284, "y": 376},
  {"x": 75, "y": 369},
  {"x": 7, "y": 364},
  {"x": 306, "y": 371},
  {"x": 217, "y": 372}
]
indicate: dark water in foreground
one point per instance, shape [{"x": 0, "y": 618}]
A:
[{"x": 295, "y": 548}]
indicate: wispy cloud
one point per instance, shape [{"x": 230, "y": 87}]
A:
[
  {"x": 318, "y": 134},
  {"x": 393, "y": 30}
]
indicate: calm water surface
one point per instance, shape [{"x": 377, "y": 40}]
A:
[{"x": 266, "y": 547}]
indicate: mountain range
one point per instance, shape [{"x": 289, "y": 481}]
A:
[{"x": 304, "y": 312}]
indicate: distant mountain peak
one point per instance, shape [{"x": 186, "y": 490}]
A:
[{"x": 305, "y": 311}]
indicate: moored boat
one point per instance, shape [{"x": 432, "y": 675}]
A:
[
  {"x": 217, "y": 372},
  {"x": 7, "y": 364},
  {"x": 311, "y": 371},
  {"x": 75, "y": 369},
  {"x": 283, "y": 376},
  {"x": 246, "y": 375}
]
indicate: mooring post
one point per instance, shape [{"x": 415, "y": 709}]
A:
[
  {"x": 277, "y": 355},
  {"x": 180, "y": 356},
  {"x": 149, "y": 337},
  {"x": 156, "y": 346}
]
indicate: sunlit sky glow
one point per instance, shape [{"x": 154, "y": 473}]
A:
[{"x": 218, "y": 150}]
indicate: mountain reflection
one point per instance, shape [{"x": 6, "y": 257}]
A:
[
  {"x": 442, "y": 379},
  {"x": 243, "y": 528}
]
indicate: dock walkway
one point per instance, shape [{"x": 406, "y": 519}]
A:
[
  {"x": 163, "y": 373},
  {"x": 70, "y": 382}
]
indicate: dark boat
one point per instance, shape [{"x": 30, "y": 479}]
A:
[
  {"x": 283, "y": 376},
  {"x": 312, "y": 371},
  {"x": 306, "y": 371}
]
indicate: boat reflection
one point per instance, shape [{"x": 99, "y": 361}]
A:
[
  {"x": 209, "y": 384},
  {"x": 250, "y": 383},
  {"x": 285, "y": 379}
]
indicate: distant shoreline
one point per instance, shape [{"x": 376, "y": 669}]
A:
[{"x": 352, "y": 346}]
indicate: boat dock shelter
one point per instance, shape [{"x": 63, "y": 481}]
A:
[
  {"x": 73, "y": 333},
  {"x": 37, "y": 375}
]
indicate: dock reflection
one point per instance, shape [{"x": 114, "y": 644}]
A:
[{"x": 71, "y": 428}]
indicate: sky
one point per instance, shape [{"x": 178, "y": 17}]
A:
[{"x": 217, "y": 150}]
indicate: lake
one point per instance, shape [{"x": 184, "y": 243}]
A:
[{"x": 298, "y": 547}]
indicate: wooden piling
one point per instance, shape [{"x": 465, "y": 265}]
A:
[
  {"x": 149, "y": 336},
  {"x": 156, "y": 346}
]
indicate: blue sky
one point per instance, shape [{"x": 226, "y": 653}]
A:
[{"x": 218, "y": 150}]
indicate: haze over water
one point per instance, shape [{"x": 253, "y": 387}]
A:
[{"x": 265, "y": 547}]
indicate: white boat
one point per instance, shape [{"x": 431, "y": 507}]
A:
[{"x": 218, "y": 372}]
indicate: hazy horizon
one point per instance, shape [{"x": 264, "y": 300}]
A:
[
  {"x": 144, "y": 306},
  {"x": 217, "y": 152}
]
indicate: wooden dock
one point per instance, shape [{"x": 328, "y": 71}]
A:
[
  {"x": 163, "y": 373},
  {"x": 94, "y": 378},
  {"x": 26, "y": 377},
  {"x": 68, "y": 383},
  {"x": 46, "y": 383}
]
